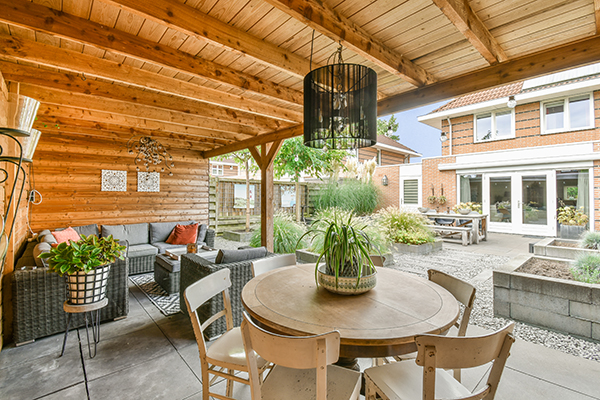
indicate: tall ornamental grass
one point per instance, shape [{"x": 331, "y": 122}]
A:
[
  {"x": 586, "y": 268},
  {"x": 286, "y": 235},
  {"x": 353, "y": 195},
  {"x": 403, "y": 226},
  {"x": 590, "y": 240}
]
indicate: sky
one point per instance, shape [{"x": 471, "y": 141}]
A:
[{"x": 416, "y": 135}]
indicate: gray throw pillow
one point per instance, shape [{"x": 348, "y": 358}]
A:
[
  {"x": 201, "y": 233},
  {"x": 231, "y": 256},
  {"x": 133, "y": 233},
  {"x": 40, "y": 248},
  {"x": 49, "y": 238}
]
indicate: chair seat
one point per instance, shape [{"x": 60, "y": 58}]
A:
[
  {"x": 229, "y": 348},
  {"x": 300, "y": 384},
  {"x": 404, "y": 381}
]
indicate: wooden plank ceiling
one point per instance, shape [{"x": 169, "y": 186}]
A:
[{"x": 220, "y": 75}]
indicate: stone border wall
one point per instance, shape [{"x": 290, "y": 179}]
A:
[
  {"x": 566, "y": 306},
  {"x": 546, "y": 247}
]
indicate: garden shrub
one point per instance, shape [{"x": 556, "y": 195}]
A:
[
  {"x": 350, "y": 194},
  {"x": 403, "y": 226},
  {"x": 587, "y": 268},
  {"x": 590, "y": 240},
  {"x": 368, "y": 224},
  {"x": 286, "y": 233}
]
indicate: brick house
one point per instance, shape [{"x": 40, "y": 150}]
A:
[{"x": 521, "y": 150}]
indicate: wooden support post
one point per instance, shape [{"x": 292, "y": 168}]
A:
[{"x": 264, "y": 159}]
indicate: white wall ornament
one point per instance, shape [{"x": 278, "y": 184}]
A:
[
  {"x": 148, "y": 181},
  {"x": 114, "y": 181}
]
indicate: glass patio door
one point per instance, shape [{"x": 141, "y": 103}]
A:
[{"x": 522, "y": 202}]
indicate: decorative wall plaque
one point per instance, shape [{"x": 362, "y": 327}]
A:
[
  {"x": 114, "y": 181},
  {"x": 148, "y": 182}
]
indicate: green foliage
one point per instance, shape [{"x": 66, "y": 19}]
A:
[
  {"x": 243, "y": 158},
  {"x": 383, "y": 127},
  {"x": 346, "y": 246},
  {"x": 569, "y": 215},
  {"x": 85, "y": 255},
  {"x": 369, "y": 225},
  {"x": 590, "y": 240},
  {"x": 587, "y": 268},
  {"x": 353, "y": 195},
  {"x": 406, "y": 227},
  {"x": 470, "y": 205},
  {"x": 286, "y": 235},
  {"x": 294, "y": 158}
]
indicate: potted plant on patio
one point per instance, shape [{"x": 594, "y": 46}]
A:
[
  {"x": 572, "y": 221},
  {"x": 86, "y": 263},
  {"x": 348, "y": 269}
]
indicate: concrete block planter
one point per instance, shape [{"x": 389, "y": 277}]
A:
[
  {"x": 571, "y": 231},
  {"x": 550, "y": 247},
  {"x": 237, "y": 236},
  {"x": 563, "y": 305},
  {"x": 424, "y": 248},
  {"x": 305, "y": 256}
]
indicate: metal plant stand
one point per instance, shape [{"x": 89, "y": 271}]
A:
[{"x": 91, "y": 311}]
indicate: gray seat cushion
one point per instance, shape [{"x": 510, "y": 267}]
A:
[
  {"x": 162, "y": 246},
  {"x": 230, "y": 256},
  {"x": 49, "y": 238},
  {"x": 160, "y": 231},
  {"x": 134, "y": 233},
  {"x": 42, "y": 247},
  {"x": 87, "y": 230},
  {"x": 140, "y": 250}
]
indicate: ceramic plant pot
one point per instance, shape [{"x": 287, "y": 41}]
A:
[
  {"x": 345, "y": 285},
  {"x": 87, "y": 288}
]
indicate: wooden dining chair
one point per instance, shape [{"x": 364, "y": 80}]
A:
[
  {"x": 267, "y": 264},
  {"x": 463, "y": 292},
  {"x": 302, "y": 368},
  {"x": 426, "y": 378},
  {"x": 226, "y": 355}
]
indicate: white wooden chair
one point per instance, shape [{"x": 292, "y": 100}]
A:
[
  {"x": 463, "y": 292},
  {"x": 302, "y": 368},
  {"x": 271, "y": 263},
  {"x": 427, "y": 380},
  {"x": 226, "y": 354}
]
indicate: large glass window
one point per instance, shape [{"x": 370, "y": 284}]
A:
[
  {"x": 570, "y": 113},
  {"x": 217, "y": 169},
  {"x": 535, "y": 210},
  {"x": 411, "y": 191},
  {"x": 573, "y": 189},
  {"x": 494, "y": 125},
  {"x": 470, "y": 188}
]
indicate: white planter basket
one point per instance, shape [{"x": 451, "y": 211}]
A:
[{"x": 87, "y": 288}]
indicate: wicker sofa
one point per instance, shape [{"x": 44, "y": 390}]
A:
[{"x": 195, "y": 267}]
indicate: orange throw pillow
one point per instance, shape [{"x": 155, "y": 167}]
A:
[
  {"x": 65, "y": 235},
  {"x": 183, "y": 234}
]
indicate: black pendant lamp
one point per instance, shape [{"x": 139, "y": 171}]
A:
[{"x": 340, "y": 105}]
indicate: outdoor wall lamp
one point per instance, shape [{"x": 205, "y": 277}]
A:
[
  {"x": 512, "y": 102},
  {"x": 384, "y": 180},
  {"x": 443, "y": 137}
]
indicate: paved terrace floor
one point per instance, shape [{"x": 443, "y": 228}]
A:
[{"x": 150, "y": 356}]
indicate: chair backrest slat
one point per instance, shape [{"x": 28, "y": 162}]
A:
[
  {"x": 461, "y": 290},
  {"x": 267, "y": 264}
]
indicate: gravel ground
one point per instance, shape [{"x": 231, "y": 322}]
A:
[{"x": 477, "y": 270}]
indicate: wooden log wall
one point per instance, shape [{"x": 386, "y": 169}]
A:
[
  {"x": 387, "y": 157},
  {"x": 68, "y": 168}
]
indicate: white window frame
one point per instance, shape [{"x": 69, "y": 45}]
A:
[
  {"x": 567, "y": 115},
  {"x": 493, "y": 116},
  {"x": 217, "y": 170}
]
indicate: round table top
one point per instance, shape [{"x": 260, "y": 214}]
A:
[{"x": 382, "y": 322}]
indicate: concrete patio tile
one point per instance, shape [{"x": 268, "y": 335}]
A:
[
  {"x": 179, "y": 331},
  {"x": 125, "y": 351},
  {"x": 76, "y": 392},
  {"x": 146, "y": 304},
  {"x": 41, "y": 376},
  {"x": 517, "y": 385},
  {"x": 48, "y": 346},
  {"x": 163, "y": 377},
  {"x": 137, "y": 319},
  {"x": 192, "y": 358}
]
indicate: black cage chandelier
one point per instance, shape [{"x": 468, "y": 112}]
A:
[{"x": 340, "y": 105}]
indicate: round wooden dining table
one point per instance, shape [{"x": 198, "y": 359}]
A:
[{"x": 380, "y": 323}]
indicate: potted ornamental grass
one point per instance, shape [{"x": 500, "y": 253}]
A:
[
  {"x": 86, "y": 265},
  {"x": 348, "y": 268}
]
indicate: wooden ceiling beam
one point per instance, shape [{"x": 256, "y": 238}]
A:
[
  {"x": 282, "y": 134},
  {"x": 57, "y": 23},
  {"x": 575, "y": 54},
  {"x": 330, "y": 23},
  {"x": 58, "y": 112},
  {"x": 193, "y": 22},
  {"x": 95, "y": 129},
  {"x": 460, "y": 13},
  {"x": 597, "y": 15},
  {"x": 118, "y": 108},
  {"x": 71, "y": 83},
  {"x": 15, "y": 48}
]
